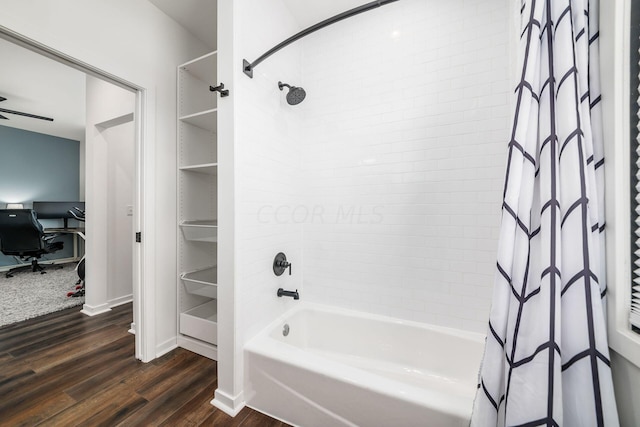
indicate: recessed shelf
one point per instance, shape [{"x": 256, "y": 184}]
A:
[
  {"x": 203, "y": 68},
  {"x": 201, "y": 322},
  {"x": 206, "y": 119},
  {"x": 202, "y": 282},
  {"x": 206, "y": 168},
  {"x": 197, "y": 194},
  {"x": 200, "y": 230}
]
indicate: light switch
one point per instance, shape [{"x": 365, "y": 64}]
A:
[{"x": 129, "y": 210}]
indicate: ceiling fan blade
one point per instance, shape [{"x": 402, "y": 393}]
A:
[
  {"x": 3, "y": 117},
  {"x": 2, "y": 98},
  {"x": 19, "y": 113}
]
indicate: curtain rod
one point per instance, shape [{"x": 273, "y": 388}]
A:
[{"x": 248, "y": 67}]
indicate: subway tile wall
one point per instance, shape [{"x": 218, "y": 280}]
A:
[
  {"x": 267, "y": 165},
  {"x": 403, "y": 150}
]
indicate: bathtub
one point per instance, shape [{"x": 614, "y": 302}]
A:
[{"x": 339, "y": 367}]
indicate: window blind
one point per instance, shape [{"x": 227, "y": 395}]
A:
[{"x": 634, "y": 315}]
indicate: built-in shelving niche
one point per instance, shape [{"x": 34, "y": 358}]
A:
[{"x": 197, "y": 206}]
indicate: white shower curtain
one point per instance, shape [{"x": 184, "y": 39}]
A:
[{"x": 546, "y": 359}]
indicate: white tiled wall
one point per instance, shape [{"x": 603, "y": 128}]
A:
[
  {"x": 403, "y": 149},
  {"x": 267, "y": 158},
  {"x": 384, "y": 186}
]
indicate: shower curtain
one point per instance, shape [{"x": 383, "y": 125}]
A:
[{"x": 546, "y": 358}]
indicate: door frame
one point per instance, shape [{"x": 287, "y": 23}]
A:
[{"x": 144, "y": 196}]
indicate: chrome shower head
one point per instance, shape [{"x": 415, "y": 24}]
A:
[{"x": 296, "y": 94}]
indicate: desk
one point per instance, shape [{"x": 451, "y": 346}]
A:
[{"x": 68, "y": 230}]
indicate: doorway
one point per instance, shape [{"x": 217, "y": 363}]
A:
[{"x": 104, "y": 262}]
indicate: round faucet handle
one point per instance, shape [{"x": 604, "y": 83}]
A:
[{"x": 280, "y": 264}]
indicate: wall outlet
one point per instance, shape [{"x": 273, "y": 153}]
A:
[{"x": 129, "y": 210}]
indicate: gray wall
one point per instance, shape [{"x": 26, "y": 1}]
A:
[
  {"x": 626, "y": 381},
  {"x": 39, "y": 167}
]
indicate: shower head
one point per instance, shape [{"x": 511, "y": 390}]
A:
[{"x": 296, "y": 94}]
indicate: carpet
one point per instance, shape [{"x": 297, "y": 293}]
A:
[{"x": 27, "y": 295}]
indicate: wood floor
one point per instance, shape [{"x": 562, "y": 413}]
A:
[{"x": 67, "y": 369}]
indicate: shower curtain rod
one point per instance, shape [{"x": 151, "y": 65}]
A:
[{"x": 248, "y": 67}]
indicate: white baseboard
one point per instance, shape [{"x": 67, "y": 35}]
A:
[
  {"x": 103, "y": 308},
  {"x": 166, "y": 347},
  {"x": 227, "y": 404},
  {"x": 93, "y": 311},
  {"x": 120, "y": 300},
  {"x": 199, "y": 347}
]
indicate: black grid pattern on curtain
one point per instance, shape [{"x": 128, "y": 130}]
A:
[{"x": 546, "y": 359}]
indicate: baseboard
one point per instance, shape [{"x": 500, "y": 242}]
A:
[
  {"x": 103, "y": 308},
  {"x": 93, "y": 311},
  {"x": 120, "y": 300},
  {"x": 227, "y": 404},
  {"x": 166, "y": 347},
  {"x": 199, "y": 347}
]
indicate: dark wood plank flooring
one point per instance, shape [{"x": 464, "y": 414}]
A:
[{"x": 67, "y": 369}]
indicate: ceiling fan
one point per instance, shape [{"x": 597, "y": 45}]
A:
[{"x": 20, "y": 113}]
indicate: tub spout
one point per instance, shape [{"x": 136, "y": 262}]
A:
[{"x": 292, "y": 294}]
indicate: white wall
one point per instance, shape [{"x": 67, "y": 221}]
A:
[
  {"x": 110, "y": 187},
  {"x": 266, "y": 158},
  {"x": 405, "y": 133},
  {"x": 133, "y": 40},
  {"x": 268, "y": 155},
  {"x": 120, "y": 170}
]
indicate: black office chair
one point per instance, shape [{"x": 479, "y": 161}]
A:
[{"x": 22, "y": 235}]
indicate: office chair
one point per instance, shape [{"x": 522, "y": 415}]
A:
[
  {"x": 78, "y": 214},
  {"x": 22, "y": 235}
]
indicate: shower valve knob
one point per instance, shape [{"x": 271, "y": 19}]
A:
[{"x": 280, "y": 264}]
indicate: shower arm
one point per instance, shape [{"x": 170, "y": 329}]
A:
[{"x": 248, "y": 67}]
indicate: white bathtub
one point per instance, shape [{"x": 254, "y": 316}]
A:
[{"x": 344, "y": 368}]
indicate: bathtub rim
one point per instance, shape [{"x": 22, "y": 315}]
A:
[{"x": 305, "y": 305}]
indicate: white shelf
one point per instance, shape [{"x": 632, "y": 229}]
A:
[
  {"x": 206, "y": 120},
  {"x": 206, "y": 168},
  {"x": 202, "y": 282},
  {"x": 203, "y": 68},
  {"x": 200, "y": 230},
  {"x": 201, "y": 322}
]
